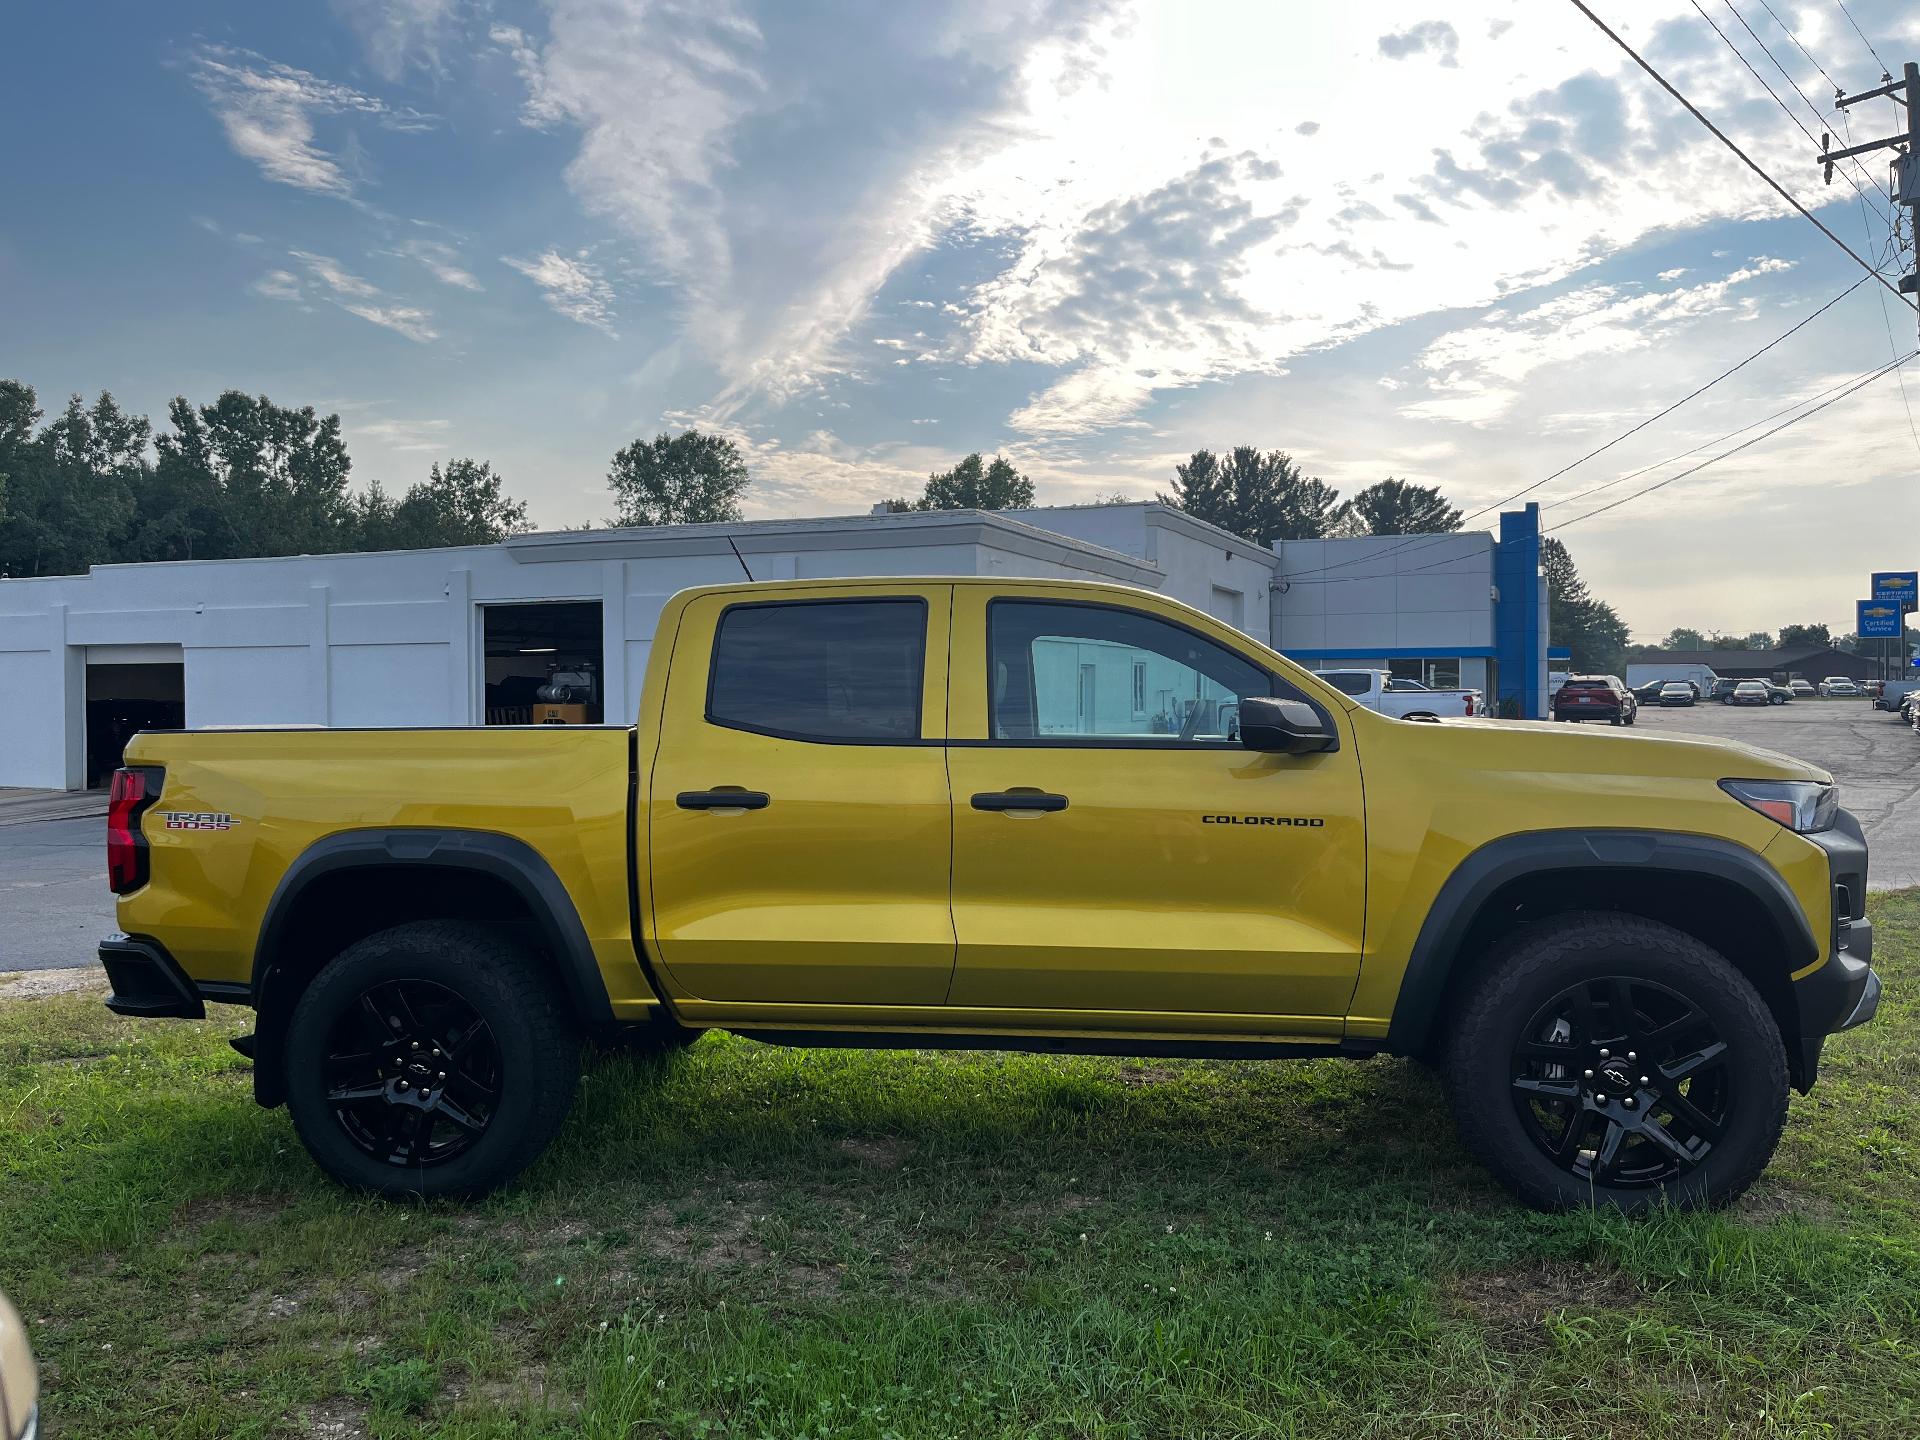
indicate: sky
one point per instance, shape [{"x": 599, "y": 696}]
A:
[{"x": 1462, "y": 244}]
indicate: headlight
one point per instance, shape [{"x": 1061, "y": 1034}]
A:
[{"x": 1803, "y": 806}]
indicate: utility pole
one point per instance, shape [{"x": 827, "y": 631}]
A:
[{"x": 1906, "y": 184}]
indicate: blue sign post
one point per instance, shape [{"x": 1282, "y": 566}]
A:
[{"x": 1877, "y": 619}]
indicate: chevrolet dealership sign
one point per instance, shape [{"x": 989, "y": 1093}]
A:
[
  {"x": 1877, "y": 618},
  {"x": 1901, "y": 586}
]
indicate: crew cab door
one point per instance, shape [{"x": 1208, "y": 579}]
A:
[
  {"x": 1116, "y": 850},
  {"x": 798, "y": 826}
]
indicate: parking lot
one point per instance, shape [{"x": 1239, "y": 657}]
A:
[{"x": 1874, "y": 759}]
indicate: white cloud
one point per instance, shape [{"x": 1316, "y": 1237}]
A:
[
  {"x": 357, "y": 296},
  {"x": 268, "y": 111},
  {"x": 443, "y": 262},
  {"x": 1429, "y": 37},
  {"x": 1673, "y": 274},
  {"x": 778, "y": 168},
  {"x": 278, "y": 285},
  {"x": 1478, "y": 374},
  {"x": 539, "y": 111},
  {"x": 399, "y": 33},
  {"x": 573, "y": 287},
  {"x": 406, "y": 435}
]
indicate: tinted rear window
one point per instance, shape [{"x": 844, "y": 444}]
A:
[
  {"x": 845, "y": 670},
  {"x": 1350, "y": 684},
  {"x": 1586, "y": 685}
]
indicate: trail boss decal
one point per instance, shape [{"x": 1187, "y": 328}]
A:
[
  {"x": 197, "y": 819},
  {"x": 1313, "y": 822}
]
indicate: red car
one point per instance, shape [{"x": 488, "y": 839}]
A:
[{"x": 1595, "y": 697}]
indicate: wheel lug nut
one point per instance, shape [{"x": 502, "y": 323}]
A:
[
  {"x": 1631, "y": 1056},
  {"x": 1629, "y": 1102},
  {"x": 1587, "y": 1074},
  {"x": 1600, "y": 1099},
  {"x": 403, "y": 1084},
  {"x": 1644, "y": 1080},
  {"x": 416, "y": 1044},
  {"x": 443, "y": 1075},
  {"x": 1606, "y": 1054}
]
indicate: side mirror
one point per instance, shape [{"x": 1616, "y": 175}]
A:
[{"x": 1283, "y": 727}]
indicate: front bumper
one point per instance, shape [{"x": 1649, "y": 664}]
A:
[
  {"x": 1845, "y": 991},
  {"x": 148, "y": 983}
]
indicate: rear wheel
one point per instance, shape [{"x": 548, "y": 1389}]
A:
[
  {"x": 435, "y": 1058},
  {"x": 1606, "y": 1060}
]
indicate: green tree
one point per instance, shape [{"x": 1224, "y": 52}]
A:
[
  {"x": 1589, "y": 627},
  {"x": 1399, "y": 507},
  {"x": 244, "y": 476},
  {"x": 1261, "y": 496},
  {"x": 975, "y": 484},
  {"x": 462, "y": 504},
  {"x": 1684, "y": 638},
  {"x": 685, "y": 479},
  {"x": 71, "y": 485},
  {"x": 1805, "y": 637}
]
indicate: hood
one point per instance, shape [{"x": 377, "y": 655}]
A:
[{"x": 1541, "y": 745}]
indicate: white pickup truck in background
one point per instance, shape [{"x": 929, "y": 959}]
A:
[{"x": 1404, "y": 699}]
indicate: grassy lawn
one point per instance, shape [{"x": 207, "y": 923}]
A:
[{"x": 756, "y": 1242}]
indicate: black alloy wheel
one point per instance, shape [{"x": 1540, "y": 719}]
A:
[
  {"x": 435, "y": 1058},
  {"x": 1622, "y": 1082},
  {"x": 413, "y": 1073}
]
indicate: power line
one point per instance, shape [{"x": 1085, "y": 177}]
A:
[
  {"x": 1422, "y": 542},
  {"x": 1856, "y": 386},
  {"x": 1885, "y": 73},
  {"x": 1772, "y": 94},
  {"x": 1745, "y": 159},
  {"x": 1802, "y": 49}
]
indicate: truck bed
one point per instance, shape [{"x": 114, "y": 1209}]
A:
[{"x": 238, "y": 807}]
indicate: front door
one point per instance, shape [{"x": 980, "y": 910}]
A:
[
  {"x": 1115, "y": 848},
  {"x": 798, "y": 827}
]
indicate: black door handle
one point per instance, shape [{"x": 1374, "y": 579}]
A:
[
  {"x": 1018, "y": 800},
  {"x": 722, "y": 800}
]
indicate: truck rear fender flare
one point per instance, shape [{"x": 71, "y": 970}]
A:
[
  {"x": 503, "y": 859},
  {"x": 1440, "y": 952}
]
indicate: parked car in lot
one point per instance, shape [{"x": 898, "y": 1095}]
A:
[
  {"x": 1595, "y": 697},
  {"x": 1892, "y": 695},
  {"x": 1676, "y": 692},
  {"x": 936, "y": 813},
  {"x": 1777, "y": 694},
  {"x": 1750, "y": 692},
  {"x": 1403, "y": 699},
  {"x": 1839, "y": 685},
  {"x": 1801, "y": 688}
]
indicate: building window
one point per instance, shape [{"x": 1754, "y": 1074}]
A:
[{"x": 1443, "y": 674}]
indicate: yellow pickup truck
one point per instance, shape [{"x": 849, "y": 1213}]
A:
[{"x": 991, "y": 813}]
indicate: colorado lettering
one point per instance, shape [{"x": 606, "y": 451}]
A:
[{"x": 1311, "y": 821}]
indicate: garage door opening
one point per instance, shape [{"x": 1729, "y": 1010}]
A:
[
  {"x": 123, "y": 700},
  {"x": 543, "y": 663}
]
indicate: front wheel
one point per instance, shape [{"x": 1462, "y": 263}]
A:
[
  {"x": 1606, "y": 1060},
  {"x": 435, "y": 1058}
]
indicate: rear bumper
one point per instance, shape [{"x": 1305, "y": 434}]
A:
[{"x": 148, "y": 983}]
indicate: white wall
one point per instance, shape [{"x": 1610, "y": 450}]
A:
[{"x": 1380, "y": 594}]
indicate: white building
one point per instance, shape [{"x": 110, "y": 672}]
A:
[{"x": 466, "y": 636}]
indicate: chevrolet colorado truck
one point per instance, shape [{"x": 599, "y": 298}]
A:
[{"x": 958, "y": 813}]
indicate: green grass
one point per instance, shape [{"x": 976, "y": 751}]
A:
[{"x": 755, "y": 1242}]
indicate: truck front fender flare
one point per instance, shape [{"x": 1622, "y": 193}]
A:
[
  {"x": 1478, "y": 878},
  {"x": 503, "y": 858}
]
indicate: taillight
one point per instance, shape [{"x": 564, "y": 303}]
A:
[
  {"x": 1469, "y": 704},
  {"x": 132, "y": 792}
]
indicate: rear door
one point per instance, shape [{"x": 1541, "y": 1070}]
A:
[
  {"x": 1117, "y": 853},
  {"x": 798, "y": 823}
]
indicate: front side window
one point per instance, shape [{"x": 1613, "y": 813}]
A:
[
  {"x": 847, "y": 671},
  {"x": 1062, "y": 671}
]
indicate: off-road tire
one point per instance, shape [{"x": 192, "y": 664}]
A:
[
  {"x": 536, "y": 1042},
  {"x": 1542, "y": 960}
]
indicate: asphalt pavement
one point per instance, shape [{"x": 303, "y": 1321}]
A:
[{"x": 54, "y": 901}]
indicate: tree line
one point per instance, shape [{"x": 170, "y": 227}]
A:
[{"x": 241, "y": 477}]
